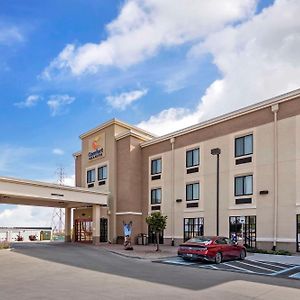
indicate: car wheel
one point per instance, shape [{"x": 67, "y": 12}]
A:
[
  {"x": 218, "y": 258},
  {"x": 185, "y": 258},
  {"x": 242, "y": 255}
]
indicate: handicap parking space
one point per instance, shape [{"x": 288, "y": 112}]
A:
[{"x": 246, "y": 266}]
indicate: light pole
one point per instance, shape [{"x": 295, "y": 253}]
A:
[{"x": 217, "y": 151}]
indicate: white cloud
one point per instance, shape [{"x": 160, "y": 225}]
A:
[
  {"x": 58, "y": 103},
  {"x": 257, "y": 59},
  {"x": 69, "y": 180},
  {"x": 29, "y": 101},
  {"x": 22, "y": 215},
  {"x": 125, "y": 99},
  {"x": 58, "y": 151},
  {"x": 144, "y": 26},
  {"x": 10, "y": 34}
]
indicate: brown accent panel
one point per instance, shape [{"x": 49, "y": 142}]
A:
[
  {"x": 78, "y": 168},
  {"x": 227, "y": 127},
  {"x": 129, "y": 175},
  {"x": 289, "y": 109}
]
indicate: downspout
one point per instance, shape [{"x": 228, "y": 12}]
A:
[
  {"x": 172, "y": 141},
  {"x": 275, "y": 109}
]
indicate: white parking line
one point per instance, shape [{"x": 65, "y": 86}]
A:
[
  {"x": 259, "y": 267},
  {"x": 238, "y": 268},
  {"x": 284, "y": 271},
  {"x": 268, "y": 264}
]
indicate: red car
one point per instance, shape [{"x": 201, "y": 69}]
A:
[{"x": 211, "y": 248}]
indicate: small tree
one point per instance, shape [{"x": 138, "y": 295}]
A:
[{"x": 157, "y": 223}]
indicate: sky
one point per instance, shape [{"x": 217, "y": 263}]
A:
[{"x": 67, "y": 66}]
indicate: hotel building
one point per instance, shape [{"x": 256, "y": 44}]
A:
[{"x": 248, "y": 159}]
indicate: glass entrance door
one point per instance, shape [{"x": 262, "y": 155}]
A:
[
  {"x": 298, "y": 233},
  {"x": 244, "y": 227},
  {"x": 152, "y": 237},
  {"x": 83, "y": 231}
]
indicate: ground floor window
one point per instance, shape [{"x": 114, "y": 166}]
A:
[
  {"x": 103, "y": 230},
  {"x": 244, "y": 227},
  {"x": 83, "y": 231},
  {"x": 192, "y": 227},
  {"x": 298, "y": 233},
  {"x": 152, "y": 237}
]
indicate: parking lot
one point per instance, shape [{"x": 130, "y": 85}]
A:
[{"x": 248, "y": 266}]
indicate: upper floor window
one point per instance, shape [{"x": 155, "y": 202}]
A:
[
  {"x": 243, "y": 185},
  {"x": 90, "y": 176},
  {"x": 156, "y": 196},
  {"x": 192, "y": 158},
  {"x": 244, "y": 145},
  {"x": 192, "y": 192},
  {"x": 156, "y": 166},
  {"x": 102, "y": 173}
]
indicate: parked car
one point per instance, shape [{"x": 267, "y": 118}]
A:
[{"x": 211, "y": 248}]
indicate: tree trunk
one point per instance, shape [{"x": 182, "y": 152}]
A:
[{"x": 157, "y": 241}]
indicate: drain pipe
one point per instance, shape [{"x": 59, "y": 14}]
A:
[
  {"x": 172, "y": 141},
  {"x": 275, "y": 109}
]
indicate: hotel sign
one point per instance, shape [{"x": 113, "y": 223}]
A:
[{"x": 97, "y": 146}]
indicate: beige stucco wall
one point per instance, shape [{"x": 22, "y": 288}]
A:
[{"x": 261, "y": 125}]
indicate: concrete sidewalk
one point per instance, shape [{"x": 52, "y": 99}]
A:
[
  {"x": 285, "y": 259},
  {"x": 142, "y": 251}
]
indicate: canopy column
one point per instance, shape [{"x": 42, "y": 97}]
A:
[
  {"x": 96, "y": 224},
  {"x": 67, "y": 224}
]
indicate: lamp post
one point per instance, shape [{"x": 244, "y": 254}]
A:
[{"x": 217, "y": 152}]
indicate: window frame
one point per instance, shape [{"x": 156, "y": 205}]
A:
[
  {"x": 90, "y": 171},
  {"x": 153, "y": 201},
  {"x": 154, "y": 160},
  {"x": 186, "y": 192},
  {"x": 186, "y": 157},
  {"x": 235, "y": 145},
  {"x": 235, "y": 185},
  {"x": 98, "y": 171}
]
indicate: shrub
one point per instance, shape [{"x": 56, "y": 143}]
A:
[
  {"x": 263, "y": 251},
  {"x": 4, "y": 245}
]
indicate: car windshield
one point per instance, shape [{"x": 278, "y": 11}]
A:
[{"x": 200, "y": 240}]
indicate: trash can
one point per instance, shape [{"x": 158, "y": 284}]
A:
[
  {"x": 140, "y": 240},
  {"x": 145, "y": 239}
]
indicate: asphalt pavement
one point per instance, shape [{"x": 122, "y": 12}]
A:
[{"x": 68, "y": 271}]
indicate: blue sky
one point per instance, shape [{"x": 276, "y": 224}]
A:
[{"x": 67, "y": 66}]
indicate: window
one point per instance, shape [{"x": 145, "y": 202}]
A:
[
  {"x": 221, "y": 241},
  {"x": 244, "y": 229},
  {"x": 243, "y": 185},
  {"x": 91, "y": 176},
  {"x": 298, "y": 233},
  {"x": 156, "y": 166},
  {"x": 193, "y": 227},
  {"x": 156, "y": 196},
  {"x": 192, "y": 158},
  {"x": 102, "y": 173},
  {"x": 244, "y": 145},
  {"x": 192, "y": 192}
]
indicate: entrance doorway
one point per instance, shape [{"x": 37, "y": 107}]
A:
[
  {"x": 84, "y": 231},
  {"x": 244, "y": 227},
  {"x": 298, "y": 233},
  {"x": 103, "y": 230}
]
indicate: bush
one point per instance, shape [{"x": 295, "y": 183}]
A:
[
  {"x": 262, "y": 251},
  {"x": 4, "y": 245}
]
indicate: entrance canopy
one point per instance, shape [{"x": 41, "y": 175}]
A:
[{"x": 27, "y": 192}]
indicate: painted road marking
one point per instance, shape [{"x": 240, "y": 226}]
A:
[
  {"x": 296, "y": 276},
  {"x": 285, "y": 271},
  {"x": 268, "y": 264},
  {"x": 256, "y": 266},
  {"x": 238, "y": 268}
]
